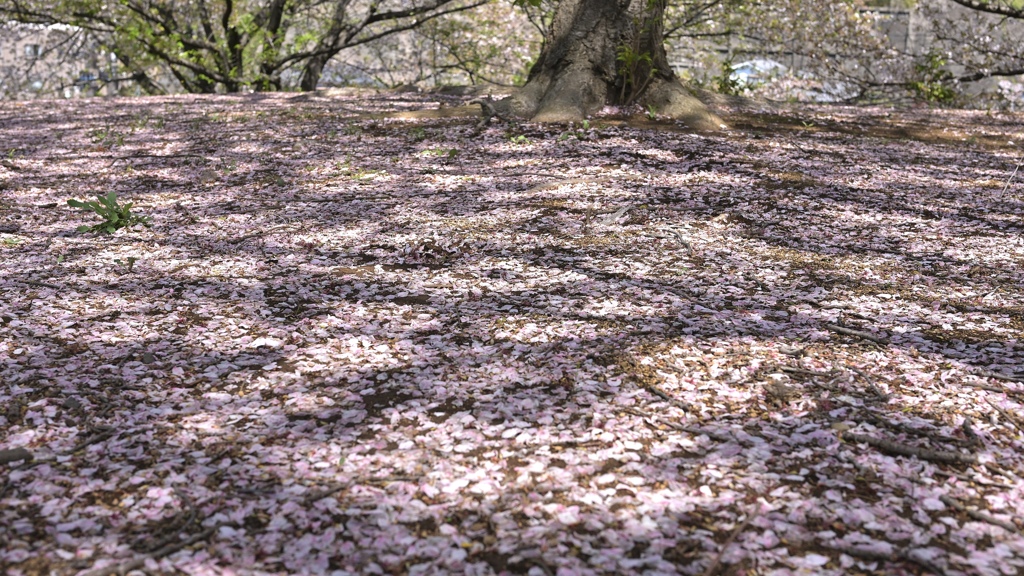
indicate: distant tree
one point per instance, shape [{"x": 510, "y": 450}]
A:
[
  {"x": 985, "y": 41},
  {"x": 231, "y": 45}
]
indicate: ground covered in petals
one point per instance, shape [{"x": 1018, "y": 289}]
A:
[{"x": 364, "y": 335}]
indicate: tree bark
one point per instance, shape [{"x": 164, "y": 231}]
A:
[
  {"x": 601, "y": 52},
  {"x": 312, "y": 71}
]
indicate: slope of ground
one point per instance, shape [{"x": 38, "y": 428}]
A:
[{"x": 362, "y": 339}]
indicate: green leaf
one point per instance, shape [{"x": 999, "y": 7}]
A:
[{"x": 84, "y": 228}]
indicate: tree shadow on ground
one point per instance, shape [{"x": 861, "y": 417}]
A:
[{"x": 502, "y": 396}]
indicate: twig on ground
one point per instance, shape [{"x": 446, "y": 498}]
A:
[
  {"x": 998, "y": 376},
  {"x": 975, "y": 479},
  {"x": 858, "y": 333},
  {"x": 969, "y": 433},
  {"x": 101, "y": 434},
  {"x": 979, "y": 515},
  {"x": 720, "y": 437},
  {"x": 272, "y": 230},
  {"x": 40, "y": 284},
  {"x": 1009, "y": 417},
  {"x": 905, "y": 450},
  {"x": 129, "y": 565},
  {"x": 804, "y": 371},
  {"x": 988, "y": 387},
  {"x": 899, "y": 427},
  {"x": 178, "y": 526},
  {"x": 569, "y": 182},
  {"x": 871, "y": 383},
  {"x": 666, "y": 397},
  {"x": 1012, "y": 174},
  {"x": 488, "y": 110},
  {"x": 682, "y": 241},
  {"x": 713, "y": 567}
]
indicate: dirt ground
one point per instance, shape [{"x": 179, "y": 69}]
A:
[{"x": 363, "y": 335}]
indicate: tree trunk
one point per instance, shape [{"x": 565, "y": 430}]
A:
[
  {"x": 601, "y": 52},
  {"x": 312, "y": 71}
]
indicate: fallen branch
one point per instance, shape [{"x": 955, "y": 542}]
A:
[
  {"x": 858, "y": 333},
  {"x": 905, "y": 450},
  {"x": 979, "y": 516},
  {"x": 988, "y": 387},
  {"x": 975, "y": 479},
  {"x": 129, "y": 565},
  {"x": 101, "y": 435},
  {"x": 871, "y": 383},
  {"x": 14, "y": 455},
  {"x": 1009, "y": 417},
  {"x": 998, "y": 376},
  {"x": 666, "y": 397},
  {"x": 720, "y": 437}
]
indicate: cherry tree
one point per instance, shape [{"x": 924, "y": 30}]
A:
[{"x": 600, "y": 52}]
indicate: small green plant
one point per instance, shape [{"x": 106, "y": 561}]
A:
[
  {"x": 933, "y": 84},
  {"x": 449, "y": 153},
  {"x": 115, "y": 216},
  {"x": 727, "y": 82},
  {"x": 418, "y": 134},
  {"x": 107, "y": 137},
  {"x": 128, "y": 263},
  {"x": 652, "y": 114},
  {"x": 519, "y": 139},
  {"x": 580, "y": 133},
  {"x": 139, "y": 121},
  {"x": 637, "y": 69},
  {"x": 10, "y": 241}
]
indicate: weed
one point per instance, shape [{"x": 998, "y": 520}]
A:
[
  {"x": 107, "y": 137},
  {"x": 580, "y": 134},
  {"x": 128, "y": 263},
  {"x": 520, "y": 139},
  {"x": 418, "y": 134},
  {"x": 10, "y": 241},
  {"x": 727, "y": 82},
  {"x": 652, "y": 114},
  {"x": 634, "y": 64},
  {"x": 115, "y": 216},
  {"x": 139, "y": 121},
  {"x": 449, "y": 153},
  {"x": 934, "y": 78}
]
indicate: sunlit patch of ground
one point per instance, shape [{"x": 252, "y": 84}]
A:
[{"x": 364, "y": 335}]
